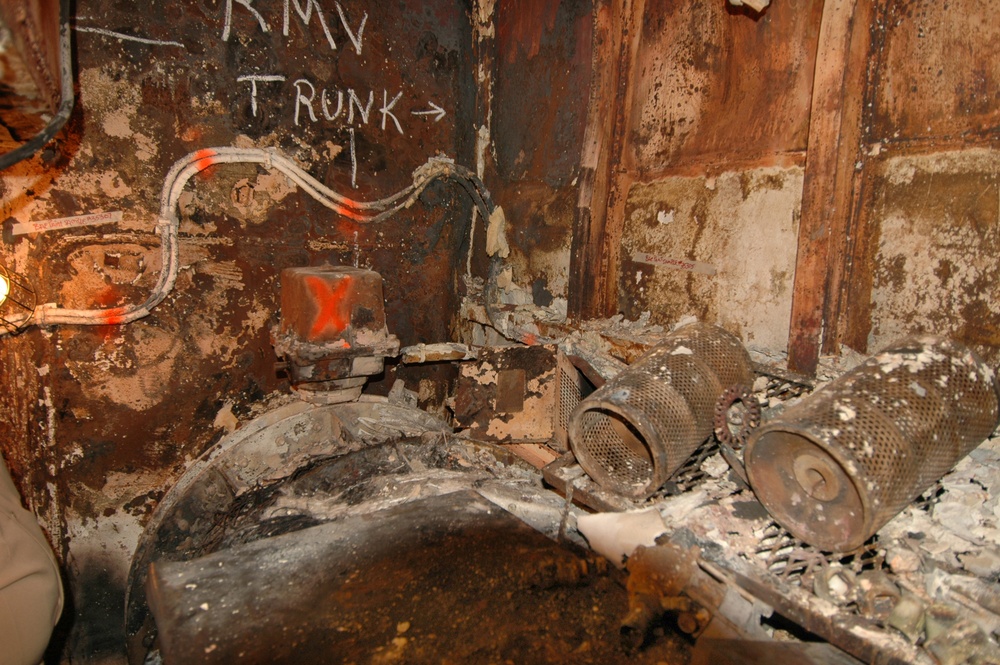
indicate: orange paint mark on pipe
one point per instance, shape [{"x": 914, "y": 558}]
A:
[
  {"x": 203, "y": 159},
  {"x": 112, "y": 319},
  {"x": 110, "y": 316},
  {"x": 204, "y": 153},
  {"x": 350, "y": 214},
  {"x": 109, "y": 319}
]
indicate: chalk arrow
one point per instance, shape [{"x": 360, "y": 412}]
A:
[{"x": 435, "y": 110}]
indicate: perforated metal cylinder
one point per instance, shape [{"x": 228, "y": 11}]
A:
[
  {"x": 634, "y": 432},
  {"x": 838, "y": 465}
]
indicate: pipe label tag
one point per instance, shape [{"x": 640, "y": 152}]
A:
[
  {"x": 41, "y": 226},
  {"x": 676, "y": 264}
]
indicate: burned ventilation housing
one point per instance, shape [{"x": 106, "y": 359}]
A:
[{"x": 332, "y": 332}]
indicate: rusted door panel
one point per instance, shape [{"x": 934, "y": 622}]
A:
[
  {"x": 940, "y": 72},
  {"x": 716, "y": 83}
]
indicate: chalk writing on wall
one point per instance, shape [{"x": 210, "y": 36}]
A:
[
  {"x": 308, "y": 101},
  {"x": 305, "y": 13}
]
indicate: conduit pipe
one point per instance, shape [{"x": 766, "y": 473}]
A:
[{"x": 362, "y": 212}]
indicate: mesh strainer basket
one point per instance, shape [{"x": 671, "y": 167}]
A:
[
  {"x": 838, "y": 465},
  {"x": 636, "y": 430}
]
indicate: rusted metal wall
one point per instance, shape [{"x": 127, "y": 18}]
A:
[
  {"x": 929, "y": 213},
  {"x": 713, "y": 83},
  {"x": 29, "y": 69},
  {"x": 721, "y": 248},
  {"x": 814, "y": 175},
  {"x": 541, "y": 83},
  {"x": 98, "y": 422}
]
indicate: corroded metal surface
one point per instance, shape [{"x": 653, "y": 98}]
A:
[
  {"x": 103, "y": 420},
  {"x": 29, "y": 69},
  {"x": 542, "y": 70},
  {"x": 401, "y": 541},
  {"x": 517, "y": 394},
  {"x": 836, "y": 467},
  {"x": 719, "y": 247},
  {"x": 332, "y": 331},
  {"x": 690, "y": 114},
  {"x": 124, "y": 409},
  {"x": 715, "y": 82},
  {"x": 191, "y": 518},
  {"x": 926, "y": 232},
  {"x": 922, "y": 92}
]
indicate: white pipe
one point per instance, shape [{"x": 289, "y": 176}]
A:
[{"x": 167, "y": 225}]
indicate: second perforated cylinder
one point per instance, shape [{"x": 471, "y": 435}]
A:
[{"x": 838, "y": 465}]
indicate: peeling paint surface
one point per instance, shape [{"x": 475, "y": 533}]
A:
[
  {"x": 712, "y": 81},
  {"x": 350, "y": 92},
  {"x": 937, "y": 217},
  {"x": 742, "y": 224},
  {"x": 510, "y": 395},
  {"x": 935, "y": 82},
  {"x": 542, "y": 70}
]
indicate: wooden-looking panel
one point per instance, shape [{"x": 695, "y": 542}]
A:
[
  {"x": 828, "y": 193},
  {"x": 685, "y": 89},
  {"x": 928, "y": 198},
  {"x": 715, "y": 83},
  {"x": 30, "y": 77},
  {"x": 940, "y": 73}
]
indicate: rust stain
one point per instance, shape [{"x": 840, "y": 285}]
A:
[
  {"x": 931, "y": 83},
  {"x": 544, "y": 52},
  {"x": 713, "y": 86},
  {"x": 933, "y": 220},
  {"x": 524, "y": 34},
  {"x": 687, "y": 219}
]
